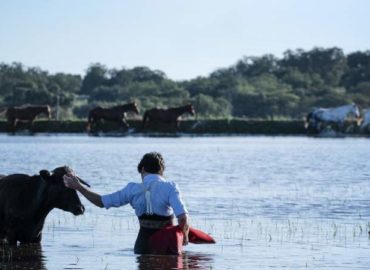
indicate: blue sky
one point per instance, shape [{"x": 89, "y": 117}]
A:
[{"x": 184, "y": 39}]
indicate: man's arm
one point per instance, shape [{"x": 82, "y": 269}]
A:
[
  {"x": 183, "y": 221},
  {"x": 180, "y": 212},
  {"x": 72, "y": 182}
]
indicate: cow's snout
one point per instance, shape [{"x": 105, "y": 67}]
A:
[{"x": 79, "y": 210}]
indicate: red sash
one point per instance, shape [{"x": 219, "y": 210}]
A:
[{"x": 169, "y": 240}]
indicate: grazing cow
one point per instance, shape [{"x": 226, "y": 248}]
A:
[{"x": 25, "y": 201}]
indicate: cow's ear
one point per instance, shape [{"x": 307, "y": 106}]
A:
[{"x": 45, "y": 174}]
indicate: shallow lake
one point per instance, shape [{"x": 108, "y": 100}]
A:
[{"x": 270, "y": 202}]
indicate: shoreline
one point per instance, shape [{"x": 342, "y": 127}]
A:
[{"x": 187, "y": 128}]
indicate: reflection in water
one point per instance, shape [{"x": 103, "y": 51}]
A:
[
  {"x": 27, "y": 256},
  {"x": 185, "y": 261}
]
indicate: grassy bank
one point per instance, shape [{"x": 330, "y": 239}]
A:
[
  {"x": 233, "y": 126},
  {"x": 219, "y": 126}
]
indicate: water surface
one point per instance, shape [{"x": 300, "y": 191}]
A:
[{"x": 270, "y": 202}]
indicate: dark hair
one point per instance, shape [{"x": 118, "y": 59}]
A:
[{"x": 152, "y": 163}]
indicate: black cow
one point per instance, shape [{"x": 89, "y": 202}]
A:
[{"x": 25, "y": 201}]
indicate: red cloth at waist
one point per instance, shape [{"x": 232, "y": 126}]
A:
[{"x": 169, "y": 240}]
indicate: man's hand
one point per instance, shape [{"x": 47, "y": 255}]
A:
[
  {"x": 183, "y": 221},
  {"x": 71, "y": 181},
  {"x": 186, "y": 239}
]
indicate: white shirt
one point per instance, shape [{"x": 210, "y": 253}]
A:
[{"x": 165, "y": 197}]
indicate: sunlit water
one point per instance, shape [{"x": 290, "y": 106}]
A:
[{"x": 270, "y": 202}]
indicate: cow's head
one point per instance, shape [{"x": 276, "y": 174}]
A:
[{"x": 62, "y": 197}]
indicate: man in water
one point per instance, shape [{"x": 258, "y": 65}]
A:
[{"x": 155, "y": 200}]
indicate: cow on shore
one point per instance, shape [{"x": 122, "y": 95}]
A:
[{"x": 25, "y": 201}]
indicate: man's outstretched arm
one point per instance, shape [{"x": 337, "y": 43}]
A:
[{"x": 72, "y": 182}]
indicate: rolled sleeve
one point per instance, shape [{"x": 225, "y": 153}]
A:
[{"x": 176, "y": 202}]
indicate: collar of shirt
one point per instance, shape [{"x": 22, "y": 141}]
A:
[{"x": 149, "y": 178}]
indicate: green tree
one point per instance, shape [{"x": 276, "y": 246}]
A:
[
  {"x": 96, "y": 75},
  {"x": 358, "y": 69},
  {"x": 207, "y": 106},
  {"x": 256, "y": 66}
]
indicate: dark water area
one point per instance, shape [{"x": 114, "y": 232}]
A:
[
  {"x": 22, "y": 257},
  {"x": 270, "y": 202}
]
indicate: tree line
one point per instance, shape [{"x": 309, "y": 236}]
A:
[{"x": 264, "y": 87}]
